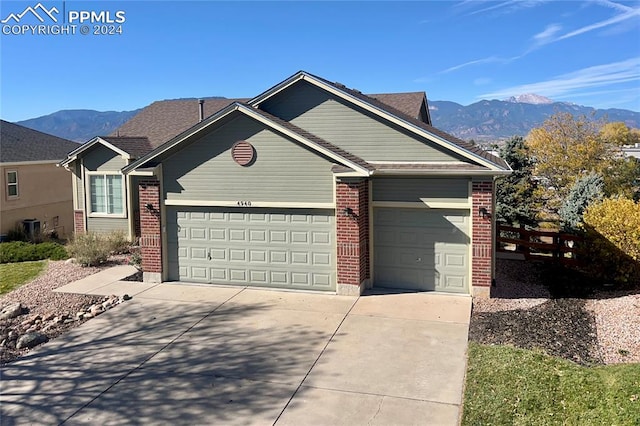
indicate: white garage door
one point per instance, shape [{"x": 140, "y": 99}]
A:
[
  {"x": 288, "y": 248},
  {"x": 422, "y": 249}
]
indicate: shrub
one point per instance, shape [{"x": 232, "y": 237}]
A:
[
  {"x": 612, "y": 244},
  {"x": 118, "y": 242},
  {"x": 20, "y": 251},
  {"x": 91, "y": 249}
]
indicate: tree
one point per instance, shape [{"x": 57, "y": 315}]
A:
[
  {"x": 566, "y": 148},
  {"x": 584, "y": 192},
  {"x": 515, "y": 192}
]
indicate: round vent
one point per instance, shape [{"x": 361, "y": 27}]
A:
[{"x": 243, "y": 153}]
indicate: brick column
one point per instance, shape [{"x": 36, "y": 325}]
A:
[
  {"x": 78, "y": 221},
  {"x": 150, "y": 230},
  {"x": 482, "y": 262},
  {"x": 352, "y": 235}
]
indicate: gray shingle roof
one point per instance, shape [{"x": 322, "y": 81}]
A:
[
  {"x": 134, "y": 145},
  {"x": 19, "y": 143},
  {"x": 409, "y": 103},
  {"x": 162, "y": 120}
]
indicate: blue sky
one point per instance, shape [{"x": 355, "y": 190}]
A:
[{"x": 582, "y": 52}]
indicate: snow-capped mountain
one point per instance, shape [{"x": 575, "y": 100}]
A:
[{"x": 529, "y": 98}]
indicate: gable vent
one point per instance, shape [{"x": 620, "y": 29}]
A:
[{"x": 243, "y": 153}]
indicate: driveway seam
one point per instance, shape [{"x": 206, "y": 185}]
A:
[
  {"x": 381, "y": 395},
  {"x": 316, "y": 360},
  {"x": 149, "y": 358}
]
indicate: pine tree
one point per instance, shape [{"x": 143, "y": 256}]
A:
[{"x": 515, "y": 202}]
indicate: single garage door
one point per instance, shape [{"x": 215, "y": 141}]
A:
[
  {"x": 289, "y": 248},
  {"x": 422, "y": 249}
]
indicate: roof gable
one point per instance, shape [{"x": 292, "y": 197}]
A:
[
  {"x": 21, "y": 144},
  {"x": 128, "y": 148},
  {"x": 274, "y": 123},
  {"x": 387, "y": 112}
]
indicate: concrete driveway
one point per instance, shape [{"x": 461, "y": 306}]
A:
[{"x": 187, "y": 354}]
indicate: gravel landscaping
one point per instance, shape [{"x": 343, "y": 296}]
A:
[
  {"x": 529, "y": 309},
  {"x": 45, "y": 314}
]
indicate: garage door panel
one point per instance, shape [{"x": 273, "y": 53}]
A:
[
  {"x": 286, "y": 248},
  {"x": 422, "y": 249}
]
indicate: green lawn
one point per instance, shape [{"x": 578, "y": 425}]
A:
[
  {"x": 13, "y": 275},
  {"x": 511, "y": 386}
]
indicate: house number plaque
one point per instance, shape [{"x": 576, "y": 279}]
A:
[{"x": 244, "y": 203}]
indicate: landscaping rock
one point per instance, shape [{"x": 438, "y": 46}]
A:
[
  {"x": 12, "y": 311},
  {"x": 30, "y": 340}
]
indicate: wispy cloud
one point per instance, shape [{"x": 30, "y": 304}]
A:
[
  {"x": 547, "y": 35},
  {"x": 631, "y": 13},
  {"x": 552, "y": 33},
  {"x": 575, "y": 82},
  {"x": 503, "y": 7},
  {"x": 488, "y": 60}
]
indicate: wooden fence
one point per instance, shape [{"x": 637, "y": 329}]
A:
[{"x": 539, "y": 245}]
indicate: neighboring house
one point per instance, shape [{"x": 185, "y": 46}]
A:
[
  {"x": 632, "y": 150},
  {"x": 34, "y": 188},
  {"x": 310, "y": 185}
]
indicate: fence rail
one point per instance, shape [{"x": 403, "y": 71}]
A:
[{"x": 549, "y": 246}]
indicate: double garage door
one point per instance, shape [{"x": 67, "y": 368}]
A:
[
  {"x": 283, "y": 248},
  {"x": 422, "y": 249}
]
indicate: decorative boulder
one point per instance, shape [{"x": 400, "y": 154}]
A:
[
  {"x": 11, "y": 311},
  {"x": 30, "y": 340}
]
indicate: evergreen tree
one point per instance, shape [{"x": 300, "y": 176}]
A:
[
  {"x": 586, "y": 190},
  {"x": 515, "y": 202}
]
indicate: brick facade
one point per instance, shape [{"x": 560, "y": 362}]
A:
[
  {"x": 150, "y": 230},
  {"x": 482, "y": 266},
  {"x": 78, "y": 221},
  {"x": 352, "y": 234}
]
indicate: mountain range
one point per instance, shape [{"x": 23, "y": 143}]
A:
[{"x": 484, "y": 121}]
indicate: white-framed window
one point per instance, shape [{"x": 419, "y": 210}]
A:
[
  {"x": 106, "y": 194},
  {"x": 12, "y": 184}
]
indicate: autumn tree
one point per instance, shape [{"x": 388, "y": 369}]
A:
[{"x": 566, "y": 148}]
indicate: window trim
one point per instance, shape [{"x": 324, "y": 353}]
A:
[
  {"x": 16, "y": 184},
  {"x": 91, "y": 213}
]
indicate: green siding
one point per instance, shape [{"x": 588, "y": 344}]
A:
[
  {"x": 283, "y": 171},
  {"x": 107, "y": 224},
  {"x": 77, "y": 175},
  {"x": 351, "y": 128},
  {"x": 101, "y": 158},
  {"x": 415, "y": 189}
]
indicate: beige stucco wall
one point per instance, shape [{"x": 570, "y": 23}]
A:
[{"x": 44, "y": 193}]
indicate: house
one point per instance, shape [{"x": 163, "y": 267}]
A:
[
  {"x": 35, "y": 190},
  {"x": 309, "y": 186}
]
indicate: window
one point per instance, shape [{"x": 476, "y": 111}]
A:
[
  {"x": 106, "y": 193},
  {"x": 12, "y": 184}
]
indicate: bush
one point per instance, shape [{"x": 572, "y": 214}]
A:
[
  {"x": 612, "y": 242},
  {"x": 89, "y": 249},
  {"x": 92, "y": 249},
  {"x": 118, "y": 242},
  {"x": 20, "y": 251}
]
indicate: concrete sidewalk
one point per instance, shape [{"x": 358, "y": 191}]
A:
[{"x": 192, "y": 354}]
